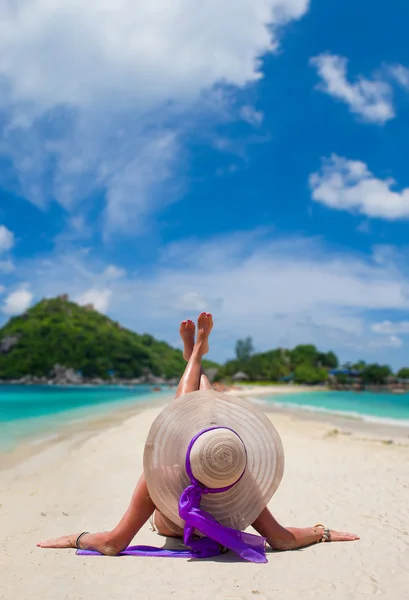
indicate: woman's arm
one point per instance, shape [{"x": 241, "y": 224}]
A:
[
  {"x": 290, "y": 538},
  {"x": 113, "y": 542}
]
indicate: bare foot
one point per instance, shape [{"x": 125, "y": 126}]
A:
[
  {"x": 187, "y": 333},
  {"x": 204, "y": 327},
  {"x": 101, "y": 542}
]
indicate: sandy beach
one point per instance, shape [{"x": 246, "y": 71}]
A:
[
  {"x": 351, "y": 480},
  {"x": 272, "y": 390}
]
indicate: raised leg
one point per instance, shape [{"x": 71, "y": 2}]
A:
[
  {"x": 187, "y": 333},
  {"x": 190, "y": 380}
]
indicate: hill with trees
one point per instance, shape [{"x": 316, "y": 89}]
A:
[
  {"x": 57, "y": 331},
  {"x": 303, "y": 364}
]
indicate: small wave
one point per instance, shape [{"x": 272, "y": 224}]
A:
[
  {"x": 257, "y": 400},
  {"x": 44, "y": 438},
  {"x": 356, "y": 416},
  {"x": 386, "y": 421}
]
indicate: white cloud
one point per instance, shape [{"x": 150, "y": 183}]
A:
[
  {"x": 100, "y": 299},
  {"x": 364, "y": 227},
  {"x": 401, "y": 74},
  {"x": 6, "y": 239},
  {"x": 391, "y": 341},
  {"x": 251, "y": 115},
  {"x": 281, "y": 291},
  {"x": 349, "y": 185},
  {"x": 194, "y": 302},
  {"x": 389, "y": 328},
  {"x": 113, "y": 272},
  {"x": 370, "y": 99},
  {"x": 230, "y": 170},
  {"x": 17, "y": 302},
  {"x": 387, "y": 255},
  {"x": 109, "y": 51},
  {"x": 98, "y": 96},
  {"x": 6, "y": 266},
  {"x": 76, "y": 229}
]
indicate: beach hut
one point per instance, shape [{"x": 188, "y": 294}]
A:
[
  {"x": 347, "y": 372},
  {"x": 240, "y": 376},
  {"x": 288, "y": 378}
]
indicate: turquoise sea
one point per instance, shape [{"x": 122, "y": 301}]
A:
[
  {"x": 37, "y": 413},
  {"x": 392, "y": 409}
]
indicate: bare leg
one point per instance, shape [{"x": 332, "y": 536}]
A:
[
  {"x": 141, "y": 506},
  {"x": 191, "y": 377},
  {"x": 204, "y": 383},
  {"x": 187, "y": 333}
]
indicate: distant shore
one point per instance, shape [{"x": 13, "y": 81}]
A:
[
  {"x": 271, "y": 390},
  {"x": 68, "y": 378}
]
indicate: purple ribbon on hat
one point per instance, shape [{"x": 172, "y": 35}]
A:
[
  {"x": 248, "y": 546},
  {"x": 216, "y": 537}
]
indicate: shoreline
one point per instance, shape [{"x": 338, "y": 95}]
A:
[
  {"x": 78, "y": 431},
  {"x": 53, "y": 428},
  {"x": 75, "y": 431},
  {"x": 355, "y": 427},
  {"x": 343, "y": 424}
]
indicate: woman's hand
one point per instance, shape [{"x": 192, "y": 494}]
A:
[
  {"x": 340, "y": 536},
  {"x": 103, "y": 542},
  {"x": 291, "y": 538}
]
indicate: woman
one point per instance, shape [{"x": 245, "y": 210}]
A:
[{"x": 142, "y": 507}]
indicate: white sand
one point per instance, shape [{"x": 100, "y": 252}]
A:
[
  {"x": 348, "y": 483},
  {"x": 272, "y": 390}
]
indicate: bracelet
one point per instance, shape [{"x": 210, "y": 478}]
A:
[{"x": 326, "y": 535}]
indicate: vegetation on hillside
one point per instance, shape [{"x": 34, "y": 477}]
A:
[
  {"x": 58, "y": 331},
  {"x": 303, "y": 364}
]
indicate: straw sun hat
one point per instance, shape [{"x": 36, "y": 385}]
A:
[{"x": 223, "y": 444}]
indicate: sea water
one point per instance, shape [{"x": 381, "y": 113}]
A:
[
  {"x": 387, "y": 408},
  {"x": 37, "y": 413}
]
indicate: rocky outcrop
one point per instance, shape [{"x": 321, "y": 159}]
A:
[
  {"x": 64, "y": 376},
  {"x": 7, "y": 343}
]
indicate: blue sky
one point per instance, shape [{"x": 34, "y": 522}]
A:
[{"x": 248, "y": 158}]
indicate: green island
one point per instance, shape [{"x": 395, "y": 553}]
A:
[
  {"x": 58, "y": 341},
  {"x": 57, "y": 335}
]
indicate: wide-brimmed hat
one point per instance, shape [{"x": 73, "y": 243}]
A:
[{"x": 223, "y": 443}]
